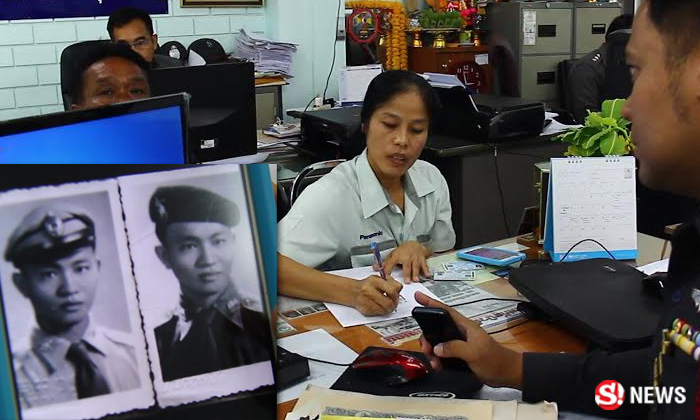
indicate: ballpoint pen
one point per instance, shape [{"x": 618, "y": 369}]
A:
[{"x": 378, "y": 258}]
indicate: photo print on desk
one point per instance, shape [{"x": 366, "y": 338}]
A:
[
  {"x": 87, "y": 334},
  {"x": 199, "y": 282},
  {"x": 70, "y": 303}
]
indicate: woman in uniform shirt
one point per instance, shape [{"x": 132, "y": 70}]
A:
[{"x": 384, "y": 195}]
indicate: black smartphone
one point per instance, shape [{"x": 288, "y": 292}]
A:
[{"x": 438, "y": 327}]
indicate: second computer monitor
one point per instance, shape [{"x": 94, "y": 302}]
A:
[{"x": 222, "y": 107}]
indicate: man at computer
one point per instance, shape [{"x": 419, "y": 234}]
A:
[
  {"x": 134, "y": 27},
  {"x": 664, "y": 107},
  {"x": 108, "y": 74},
  {"x": 215, "y": 331}
]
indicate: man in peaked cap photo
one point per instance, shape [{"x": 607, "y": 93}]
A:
[
  {"x": 70, "y": 357},
  {"x": 215, "y": 331}
]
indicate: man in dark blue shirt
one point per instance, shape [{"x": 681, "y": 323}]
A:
[{"x": 664, "y": 107}]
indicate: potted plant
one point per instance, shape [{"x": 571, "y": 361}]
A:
[{"x": 603, "y": 133}]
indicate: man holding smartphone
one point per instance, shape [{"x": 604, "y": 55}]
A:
[{"x": 664, "y": 107}]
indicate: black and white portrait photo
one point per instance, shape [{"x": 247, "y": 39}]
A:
[
  {"x": 199, "y": 282},
  {"x": 69, "y": 297}
]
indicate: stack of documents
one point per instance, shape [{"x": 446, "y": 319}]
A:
[{"x": 268, "y": 56}]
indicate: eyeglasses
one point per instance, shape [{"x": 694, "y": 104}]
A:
[{"x": 140, "y": 43}]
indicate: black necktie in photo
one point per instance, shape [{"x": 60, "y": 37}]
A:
[{"x": 89, "y": 382}]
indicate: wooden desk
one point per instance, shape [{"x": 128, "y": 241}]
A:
[{"x": 532, "y": 336}]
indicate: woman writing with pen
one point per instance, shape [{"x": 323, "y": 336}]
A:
[{"x": 385, "y": 195}]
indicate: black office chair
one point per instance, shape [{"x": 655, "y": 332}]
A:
[
  {"x": 618, "y": 81},
  {"x": 563, "y": 71},
  {"x": 70, "y": 57},
  {"x": 311, "y": 174},
  {"x": 283, "y": 203},
  {"x": 209, "y": 49},
  {"x": 170, "y": 45},
  {"x": 504, "y": 65}
]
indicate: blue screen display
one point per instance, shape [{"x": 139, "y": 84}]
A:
[
  {"x": 153, "y": 136},
  {"x": 47, "y": 9}
]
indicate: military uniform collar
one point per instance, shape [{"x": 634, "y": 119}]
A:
[
  {"x": 52, "y": 349},
  {"x": 373, "y": 196},
  {"x": 229, "y": 305}
]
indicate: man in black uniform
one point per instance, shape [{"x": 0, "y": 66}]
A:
[
  {"x": 587, "y": 76},
  {"x": 216, "y": 331},
  {"x": 664, "y": 107}
]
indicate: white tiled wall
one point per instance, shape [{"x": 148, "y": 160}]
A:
[{"x": 30, "y": 50}]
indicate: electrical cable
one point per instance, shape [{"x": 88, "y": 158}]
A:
[
  {"x": 500, "y": 191},
  {"x": 587, "y": 240}
]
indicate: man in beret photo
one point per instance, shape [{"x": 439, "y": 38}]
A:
[
  {"x": 215, "y": 330},
  {"x": 53, "y": 250}
]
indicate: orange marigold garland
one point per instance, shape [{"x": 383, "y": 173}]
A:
[{"x": 396, "y": 46}]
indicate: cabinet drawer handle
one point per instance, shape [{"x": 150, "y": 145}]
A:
[{"x": 444, "y": 66}]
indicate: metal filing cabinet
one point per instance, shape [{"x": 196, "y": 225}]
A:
[
  {"x": 536, "y": 55},
  {"x": 591, "y": 21}
]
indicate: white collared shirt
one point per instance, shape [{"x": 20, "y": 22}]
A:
[
  {"x": 44, "y": 375},
  {"x": 335, "y": 219}
]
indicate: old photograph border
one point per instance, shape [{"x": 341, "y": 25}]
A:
[{"x": 112, "y": 403}]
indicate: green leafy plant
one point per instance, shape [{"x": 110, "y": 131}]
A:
[
  {"x": 431, "y": 19},
  {"x": 603, "y": 133}
]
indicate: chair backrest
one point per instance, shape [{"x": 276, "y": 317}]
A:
[
  {"x": 563, "y": 71},
  {"x": 70, "y": 57},
  {"x": 310, "y": 174},
  {"x": 283, "y": 203},
  {"x": 170, "y": 47},
  {"x": 503, "y": 62},
  {"x": 209, "y": 49},
  {"x": 618, "y": 81}
]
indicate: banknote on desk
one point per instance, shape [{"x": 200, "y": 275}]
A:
[{"x": 315, "y": 402}]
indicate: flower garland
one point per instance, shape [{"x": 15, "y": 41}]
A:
[{"x": 396, "y": 46}]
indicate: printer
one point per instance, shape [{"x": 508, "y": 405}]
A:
[
  {"x": 335, "y": 133},
  {"x": 486, "y": 118},
  {"x": 331, "y": 133}
]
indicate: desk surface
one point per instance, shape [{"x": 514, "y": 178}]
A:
[{"x": 532, "y": 336}]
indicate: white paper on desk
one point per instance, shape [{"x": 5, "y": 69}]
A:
[
  {"x": 658, "y": 266},
  {"x": 556, "y": 127},
  {"x": 349, "y": 317},
  {"x": 316, "y": 344}
]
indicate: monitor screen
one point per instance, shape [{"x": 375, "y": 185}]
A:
[{"x": 149, "y": 131}]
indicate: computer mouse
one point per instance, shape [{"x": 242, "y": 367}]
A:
[
  {"x": 393, "y": 367},
  {"x": 654, "y": 284}
]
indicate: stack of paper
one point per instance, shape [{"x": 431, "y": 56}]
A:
[{"x": 269, "y": 56}]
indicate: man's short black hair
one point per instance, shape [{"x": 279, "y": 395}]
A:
[
  {"x": 124, "y": 16},
  {"x": 679, "y": 22},
  {"x": 620, "y": 22},
  {"x": 98, "y": 52}
]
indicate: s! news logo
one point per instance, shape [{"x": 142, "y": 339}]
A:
[{"x": 609, "y": 395}]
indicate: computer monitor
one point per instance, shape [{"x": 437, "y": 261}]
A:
[
  {"x": 222, "y": 107},
  {"x": 145, "y": 131}
]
